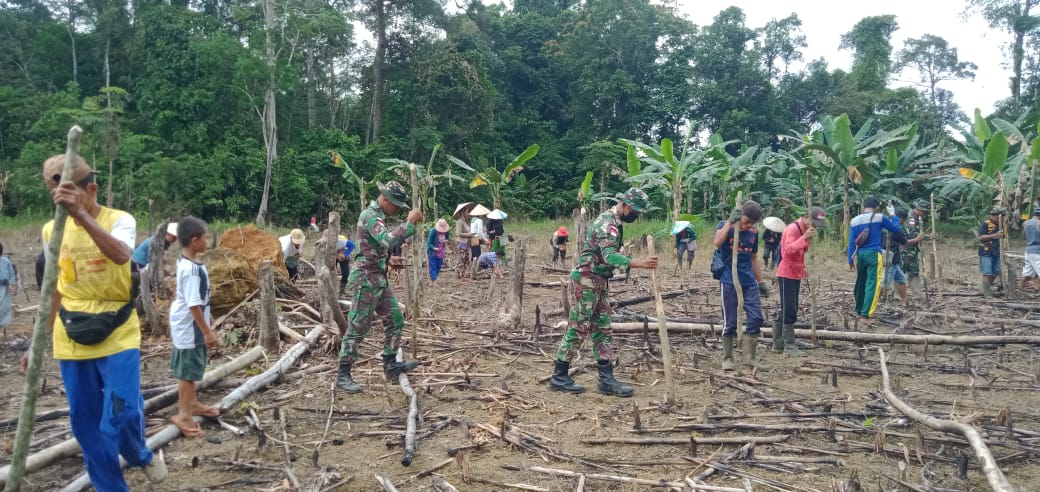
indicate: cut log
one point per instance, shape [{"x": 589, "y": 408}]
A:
[
  {"x": 700, "y": 329},
  {"x": 70, "y": 447},
  {"x": 253, "y": 384},
  {"x": 513, "y": 314},
  {"x": 994, "y": 476},
  {"x": 687, "y": 440},
  {"x": 268, "y": 308},
  {"x": 622, "y": 479}
]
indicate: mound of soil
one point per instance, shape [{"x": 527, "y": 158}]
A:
[
  {"x": 231, "y": 276},
  {"x": 255, "y": 246}
]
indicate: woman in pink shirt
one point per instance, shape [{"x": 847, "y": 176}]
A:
[{"x": 793, "y": 244}]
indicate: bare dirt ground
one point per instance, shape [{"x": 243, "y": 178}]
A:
[{"x": 477, "y": 380}]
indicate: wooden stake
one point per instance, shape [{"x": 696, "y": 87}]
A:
[
  {"x": 735, "y": 229},
  {"x": 268, "y": 308},
  {"x": 935, "y": 252},
  {"x": 41, "y": 329},
  {"x": 994, "y": 476},
  {"x": 812, "y": 258},
  {"x": 416, "y": 270},
  {"x": 662, "y": 328}
]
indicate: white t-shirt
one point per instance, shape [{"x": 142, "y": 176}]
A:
[
  {"x": 192, "y": 290},
  {"x": 124, "y": 230}
]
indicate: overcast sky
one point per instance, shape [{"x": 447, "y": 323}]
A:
[{"x": 823, "y": 24}]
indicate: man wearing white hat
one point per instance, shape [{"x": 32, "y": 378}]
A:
[
  {"x": 140, "y": 256},
  {"x": 292, "y": 249}
]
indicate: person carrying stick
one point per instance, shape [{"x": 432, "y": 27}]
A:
[
  {"x": 600, "y": 256},
  {"x": 373, "y": 298},
  {"x": 911, "y": 252},
  {"x": 749, "y": 274},
  {"x": 864, "y": 255},
  {"x": 96, "y": 333},
  {"x": 794, "y": 243},
  {"x": 989, "y": 234}
]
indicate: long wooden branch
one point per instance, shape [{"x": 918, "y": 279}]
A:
[
  {"x": 70, "y": 447},
  {"x": 253, "y": 384},
  {"x": 697, "y": 328},
  {"x": 687, "y": 440},
  {"x": 994, "y": 476},
  {"x": 413, "y": 414}
]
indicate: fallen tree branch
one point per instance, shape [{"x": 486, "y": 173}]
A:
[
  {"x": 619, "y": 479},
  {"x": 413, "y": 414},
  {"x": 849, "y": 336},
  {"x": 994, "y": 476},
  {"x": 70, "y": 447},
  {"x": 171, "y": 432},
  {"x": 687, "y": 440}
]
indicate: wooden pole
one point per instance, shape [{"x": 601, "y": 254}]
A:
[
  {"x": 812, "y": 259},
  {"x": 994, "y": 476},
  {"x": 416, "y": 269},
  {"x": 268, "y": 308},
  {"x": 935, "y": 252},
  {"x": 41, "y": 326},
  {"x": 662, "y": 328},
  {"x": 151, "y": 281},
  {"x": 735, "y": 230}
]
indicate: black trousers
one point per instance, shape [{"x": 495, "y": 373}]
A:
[
  {"x": 344, "y": 270},
  {"x": 789, "y": 289}
]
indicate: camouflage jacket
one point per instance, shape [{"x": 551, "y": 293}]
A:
[
  {"x": 600, "y": 254},
  {"x": 375, "y": 241}
]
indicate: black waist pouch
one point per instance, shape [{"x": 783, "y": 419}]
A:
[{"x": 93, "y": 328}]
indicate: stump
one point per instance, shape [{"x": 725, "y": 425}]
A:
[
  {"x": 515, "y": 297},
  {"x": 268, "y": 308}
]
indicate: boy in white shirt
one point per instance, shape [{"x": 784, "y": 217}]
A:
[{"x": 190, "y": 329}]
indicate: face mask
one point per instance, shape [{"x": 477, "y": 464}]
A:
[{"x": 630, "y": 217}]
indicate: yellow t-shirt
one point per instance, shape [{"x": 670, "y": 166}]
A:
[{"x": 89, "y": 282}]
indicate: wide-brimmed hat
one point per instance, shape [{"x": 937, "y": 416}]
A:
[
  {"x": 562, "y": 231},
  {"x": 497, "y": 214},
  {"x": 53, "y": 167},
  {"x": 296, "y": 236},
  {"x": 463, "y": 208},
  {"x": 441, "y": 226},
  {"x": 479, "y": 211},
  {"x": 635, "y": 198},
  {"x": 394, "y": 192},
  {"x": 171, "y": 229},
  {"x": 818, "y": 217}
]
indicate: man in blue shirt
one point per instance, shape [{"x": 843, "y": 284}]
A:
[
  {"x": 864, "y": 254},
  {"x": 749, "y": 274},
  {"x": 1031, "y": 231}
]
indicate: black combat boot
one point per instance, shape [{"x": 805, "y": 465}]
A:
[
  {"x": 561, "y": 379},
  {"x": 607, "y": 384},
  {"x": 344, "y": 381},
  {"x": 392, "y": 368}
]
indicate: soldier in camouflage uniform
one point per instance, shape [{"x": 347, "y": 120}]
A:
[
  {"x": 911, "y": 253},
  {"x": 600, "y": 256},
  {"x": 373, "y": 299}
]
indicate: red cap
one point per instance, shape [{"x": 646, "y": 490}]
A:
[{"x": 562, "y": 231}]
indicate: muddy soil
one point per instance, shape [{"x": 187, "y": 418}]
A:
[{"x": 476, "y": 374}]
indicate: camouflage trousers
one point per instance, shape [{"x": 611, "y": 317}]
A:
[
  {"x": 373, "y": 301},
  {"x": 912, "y": 263},
  {"x": 589, "y": 315}
]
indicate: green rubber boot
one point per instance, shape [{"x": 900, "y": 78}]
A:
[
  {"x": 778, "y": 337},
  {"x": 751, "y": 353},
  {"x": 727, "y": 354},
  {"x": 790, "y": 345}
]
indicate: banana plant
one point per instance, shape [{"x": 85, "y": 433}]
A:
[
  {"x": 494, "y": 179},
  {"x": 985, "y": 162},
  {"x": 427, "y": 178},
  {"x": 349, "y": 174}
]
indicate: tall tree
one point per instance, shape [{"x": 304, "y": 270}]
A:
[
  {"x": 270, "y": 114},
  {"x": 934, "y": 61},
  {"x": 781, "y": 41},
  {"x": 870, "y": 40},
  {"x": 1019, "y": 18}
]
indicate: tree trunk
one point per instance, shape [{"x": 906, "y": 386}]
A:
[
  {"x": 312, "y": 111},
  {"x": 270, "y": 126},
  {"x": 268, "y": 308},
  {"x": 676, "y": 201},
  {"x": 846, "y": 210},
  {"x": 72, "y": 42},
  {"x": 513, "y": 314},
  {"x": 325, "y": 264},
  {"x": 376, "y": 113},
  {"x": 1018, "y": 53}
]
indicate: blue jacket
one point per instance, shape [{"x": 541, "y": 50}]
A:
[
  {"x": 140, "y": 255},
  {"x": 875, "y": 225}
]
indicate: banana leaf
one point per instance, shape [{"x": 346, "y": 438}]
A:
[
  {"x": 996, "y": 155},
  {"x": 982, "y": 131},
  {"x": 518, "y": 163}
]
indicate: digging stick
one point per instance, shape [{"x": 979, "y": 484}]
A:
[
  {"x": 994, "y": 476},
  {"x": 414, "y": 297},
  {"x": 662, "y": 327},
  {"x": 40, "y": 326},
  {"x": 935, "y": 253},
  {"x": 735, "y": 230}
]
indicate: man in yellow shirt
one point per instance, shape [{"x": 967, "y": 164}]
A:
[{"x": 96, "y": 332}]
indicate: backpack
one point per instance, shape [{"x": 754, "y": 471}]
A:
[
  {"x": 717, "y": 265},
  {"x": 864, "y": 235}
]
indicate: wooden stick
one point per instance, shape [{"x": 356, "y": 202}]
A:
[
  {"x": 697, "y": 328},
  {"x": 812, "y": 259},
  {"x": 268, "y": 308},
  {"x": 620, "y": 479},
  {"x": 735, "y": 230},
  {"x": 935, "y": 253},
  {"x": 994, "y": 476},
  {"x": 41, "y": 326},
  {"x": 413, "y": 414},
  {"x": 680, "y": 441},
  {"x": 415, "y": 291},
  {"x": 255, "y": 383},
  {"x": 662, "y": 329},
  {"x": 385, "y": 484}
]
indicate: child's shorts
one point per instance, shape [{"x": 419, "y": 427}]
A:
[{"x": 189, "y": 364}]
